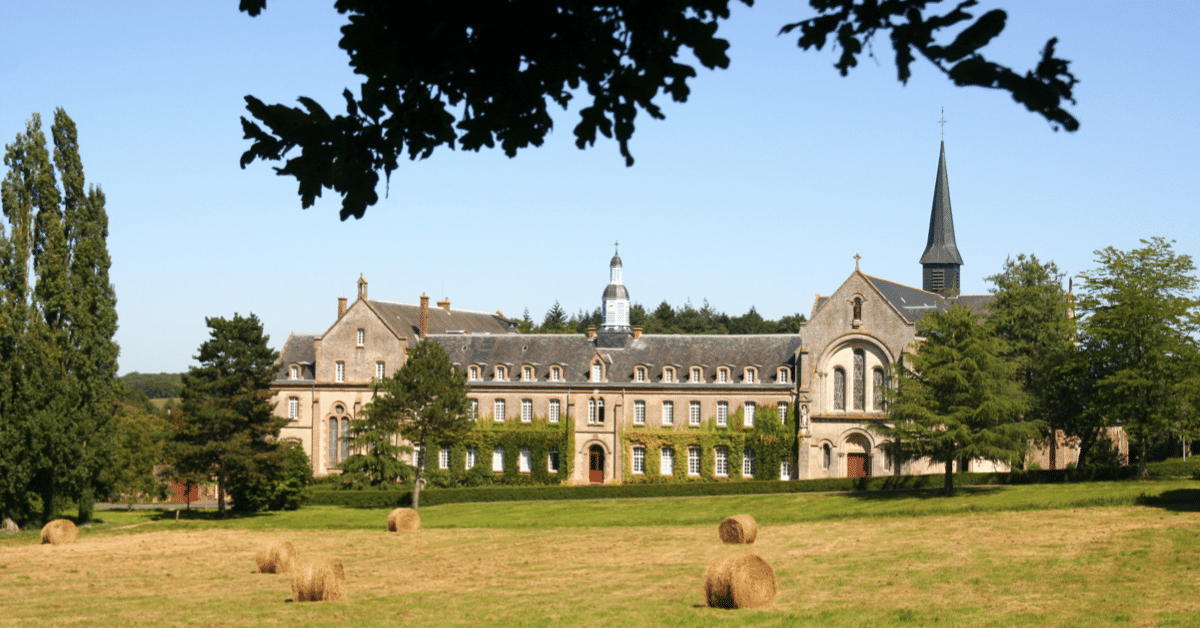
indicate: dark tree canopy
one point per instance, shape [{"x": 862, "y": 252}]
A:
[{"x": 476, "y": 74}]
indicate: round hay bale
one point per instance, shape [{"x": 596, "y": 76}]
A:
[
  {"x": 738, "y": 529},
  {"x": 319, "y": 580},
  {"x": 276, "y": 557},
  {"x": 739, "y": 581},
  {"x": 59, "y": 532},
  {"x": 403, "y": 520}
]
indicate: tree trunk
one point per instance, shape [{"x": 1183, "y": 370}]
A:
[
  {"x": 417, "y": 482},
  {"x": 1143, "y": 471},
  {"x": 221, "y": 497},
  {"x": 948, "y": 488},
  {"x": 87, "y": 502},
  {"x": 49, "y": 508},
  {"x": 1053, "y": 449}
]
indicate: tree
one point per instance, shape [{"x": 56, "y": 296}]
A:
[
  {"x": 59, "y": 317},
  {"x": 444, "y": 74},
  {"x": 957, "y": 398},
  {"x": 1139, "y": 318},
  {"x": 1030, "y": 314},
  {"x": 427, "y": 398},
  {"x": 228, "y": 430},
  {"x": 141, "y": 440},
  {"x": 555, "y": 320},
  {"x": 376, "y": 457}
]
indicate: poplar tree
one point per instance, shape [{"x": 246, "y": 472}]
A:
[
  {"x": 956, "y": 398},
  {"x": 427, "y": 397},
  {"x": 228, "y": 431}
]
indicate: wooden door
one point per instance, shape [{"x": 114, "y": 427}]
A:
[
  {"x": 596, "y": 465},
  {"x": 856, "y": 466}
]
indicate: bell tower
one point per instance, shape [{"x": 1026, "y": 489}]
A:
[
  {"x": 941, "y": 261},
  {"x": 615, "y": 302}
]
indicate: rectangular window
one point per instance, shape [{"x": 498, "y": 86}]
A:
[
  {"x": 668, "y": 413},
  {"x": 444, "y": 458},
  {"x": 294, "y": 373},
  {"x": 783, "y": 376},
  {"x": 640, "y": 374},
  {"x": 722, "y": 461},
  {"x": 293, "y": 408},
  {"x": 527, "y": 374},
  {"x": 552, "y": 462},
  {"x": 526, "y": 410},
  {"x": 639, "y": 460},
  {"x": 498, "y": 412},
  {"x": 694, "y": 413},
  {"x": 783, "y": 409},
  {"x": 340, "y": 372},
  {"x": 748, "y": 414},
  {"x": 554, "y": 374},
  {"x": 473, "y": 373},
  {"x": 473, "y": 412},
  {"x": 749, "y": 376},
  {"x": 524, "y": 462},
  {"x": 380, "y": 370},
  {"x": 748, "y": 463},
  {"x": 668, "y": 375},
  {"x": 666, "y": 464},
  {"x": 596, "y": 371},
  {"x": 591, "y": 410},
  {"x": 723, "y": 375},
  {"x": 471, "y": 453},
  {"x": 418, "y": 456},
  {"x": 501, "y": 375},
  {"x": 639, "y": 413},
  {"x": 554, "y": 408},
  {"x": 362, "y": 336},
  {"x": 785, "y": 470},
  {"x": 693, "y": 461},
  {"x": 498, "y": 459},
  {"x": 696, "y": 378},
  {"x": 722, "y": 413}
]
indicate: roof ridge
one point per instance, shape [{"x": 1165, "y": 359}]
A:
[{"x": 453, "y": 309}]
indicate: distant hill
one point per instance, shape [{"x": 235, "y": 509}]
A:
[{"x": 155, "y": 385}]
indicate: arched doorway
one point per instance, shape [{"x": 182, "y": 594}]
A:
[
  {"x": 596, "y": 464},
  {"x": 858, "y": 458}
]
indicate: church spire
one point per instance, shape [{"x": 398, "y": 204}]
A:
[{"x": 941, "y": 260}]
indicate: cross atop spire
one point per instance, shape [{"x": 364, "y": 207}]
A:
[
  {"x": 943, "y": 123},
  {"x": 856, "y": 258}
]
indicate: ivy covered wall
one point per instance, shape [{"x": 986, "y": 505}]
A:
[{"x": 540, "y": 436}]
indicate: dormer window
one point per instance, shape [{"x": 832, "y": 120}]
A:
[
  {"x": 783, "y": 376},
  {"x": 294, "y": 372},
  {"x": 500, "y": 374},
  {"x": 555, "y": 374},
  {"x": 668, "y": 375},
  {"x": 723, "y": 375},
  {"x": 527, "y": 373},
  {"x": 473, "y": 373},
  {"x": 362, "y": 336},
  {"x": 697, "y": 377},
  {"x": 639, "y": 374},
  {"x": 750, "y": 374},
  {"x": 597, "y": 371}
]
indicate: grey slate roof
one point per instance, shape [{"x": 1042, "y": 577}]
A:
[
  {"x": 299, "y": 349},
  {"x": 615, "y": 291},
  {"x": 941, "y": 248},
  {"x": 405, "y": 319},
  {"x": 574, "y": 352},
  {"x": 913, "y": 303}
]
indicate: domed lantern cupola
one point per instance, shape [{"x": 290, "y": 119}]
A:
[{"x": 616, "y": 298}]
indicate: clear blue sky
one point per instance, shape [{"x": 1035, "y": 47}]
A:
[{"x": 758, "y": 191}]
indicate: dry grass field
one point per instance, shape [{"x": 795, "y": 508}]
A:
[{"x": 1129, "y": 566}]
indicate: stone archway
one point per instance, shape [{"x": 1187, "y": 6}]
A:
[
  {"x": 596, "y": 464},
  {"x": 858, "y": 456}
]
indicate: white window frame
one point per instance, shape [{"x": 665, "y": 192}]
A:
[
  {"x": 591, "y": 411},
  {"x": 693, "y": 413},
  {"x": 294, "y": 372},
  {"x": 498, "y": 460},
  {"x": 498, "y": 410},
  {"x": 361, "y": 337},
  {"x": 748, "y": 409},
  {"x": 697, "y": 376},
  {"x": 552, "y": 461},
  {"x": 380, "y": 369},
  {"x": 473, "y": 409},
  {"x": 666, "y": 461},
  {"x": 783, "y": 410},
  {"x": 639, "y": 412},
  {"x": 668, "y": 413},
  {"x": 444, "y": 458},
  {"x": 555, "y": 409},
  {"x": 639, "y": 374},
  {"x": 721, "y": 461},
  {"x": 525, "y": 460},
  {"x": 473, "y": 373},
  {"x": 416, "y": 456},
  {"x": 722, "y": 413},
  {"x": 722, "y": 376},
  {"x": 527, "y": 373},
  {"x": 668, "y": 375},
  {"x": 748, "y": 463},
  {"x": 693, "y": 460},
  {"x": 597, "y": 371},
  {"x": 526, "y": 410},
  {"x": 470, "y": 458},
  {"x": 639, "y": 460},
  {"x": 785, "y": 469},
  {"x": 339, "y": 370},
  {"x": 293, "y": 408},
  {"x": 500, "y": 374},
  {"x": 749, "y": 374},
  {"x": 555, "y": 373},
  {"x": 783, "y": 376}
]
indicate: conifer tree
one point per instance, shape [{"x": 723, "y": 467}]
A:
[
  {"x": 957, "y": 398},
  {"x": 427, "y": 397},
  {"x": 229, "y": 429}
]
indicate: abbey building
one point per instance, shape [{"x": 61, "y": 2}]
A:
[{"x": 618, "y": 405}]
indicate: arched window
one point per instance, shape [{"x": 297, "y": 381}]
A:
[
  {"x": 860, "y": 376},
  {"x": 839, "y": 389},
  {"x": 333, "y": 439},
  {"x": 826, "y": 456},
  {"x": 345, "y": 437},
  {"x": 878, "y": 384},
  {"x": 600, "y": 411}
]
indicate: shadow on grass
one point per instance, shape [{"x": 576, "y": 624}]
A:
[
  {"x": 1180, "y": 500},
  {"x": 922, "y": 493}
]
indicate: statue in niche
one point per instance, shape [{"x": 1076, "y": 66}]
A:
[{"x": 857, "y": 308}]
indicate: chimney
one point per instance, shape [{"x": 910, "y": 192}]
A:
[
  {"x": 637, "y": 333},
  {"x": 341, "y": 307},
  {"x": 591, "y": 332},
  {"x": 444, "y": 304},
  {"x": 424, "y": 316}
]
